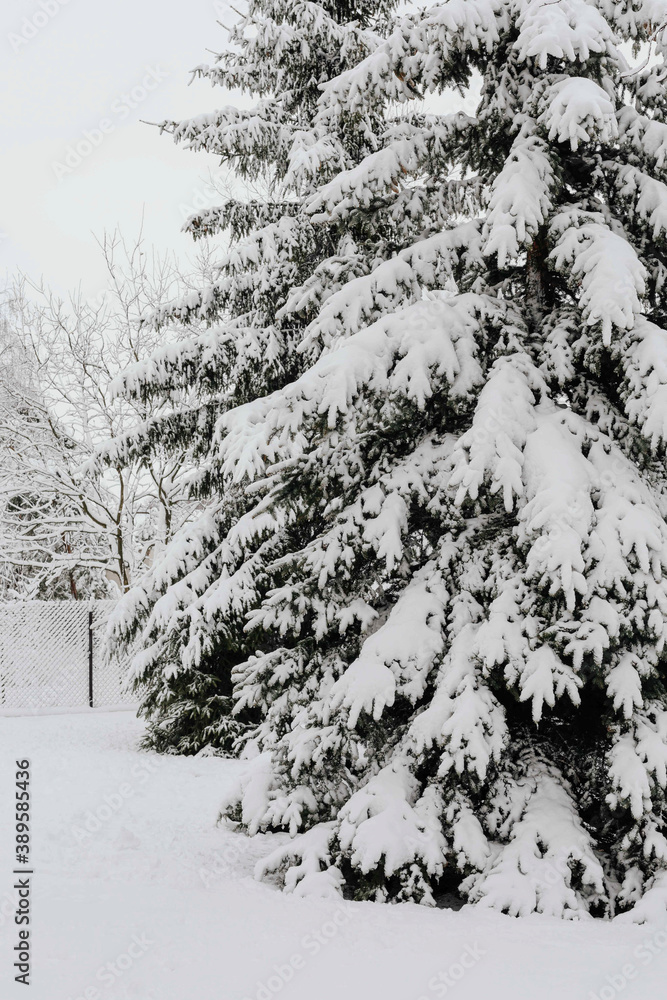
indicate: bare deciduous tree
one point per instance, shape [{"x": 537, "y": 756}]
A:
[{"x": 66, "y": 526}]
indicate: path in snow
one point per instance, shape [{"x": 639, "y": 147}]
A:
[{"x": 138, "y": 895}]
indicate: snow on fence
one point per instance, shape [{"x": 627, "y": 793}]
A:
[{"x": 52, "y": 655}]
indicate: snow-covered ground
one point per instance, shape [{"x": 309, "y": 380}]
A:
[{"x": 138, "y": 895}]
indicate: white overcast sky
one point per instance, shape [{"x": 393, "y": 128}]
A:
[
  {"x": 65, "y": 67},
  {"x": 62, "y": 82}
]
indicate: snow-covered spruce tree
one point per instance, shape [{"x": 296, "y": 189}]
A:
[
  {"x": 246, "y": 323},
  {"x": 459, "y": 526},
  {"x": 450, "y": 546}
]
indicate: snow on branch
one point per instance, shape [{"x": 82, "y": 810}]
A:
[
  {"x": 417, "y": 53},
  {"x": 504, "y": 416},
  {"x": 549, "y": 865},
  {"x": 610, "y": 278},
  {"x": 567, "y": 29},
  {"x": 397, "y": 658},
  {"x": 520, "y": 197},
  {"x": 406, "y": 354},
  {"x": 391, "y": 285},
  {"x": 643, "y": 356},
  {"x": 578, "y": 111}
]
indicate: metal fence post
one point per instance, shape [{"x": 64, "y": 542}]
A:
[{"x": 90, "y": 658}]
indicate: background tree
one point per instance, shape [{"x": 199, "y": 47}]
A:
[{"x": 68, "y": 529}]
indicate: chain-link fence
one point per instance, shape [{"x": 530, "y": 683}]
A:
[{"x": 52, "y": 655}]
